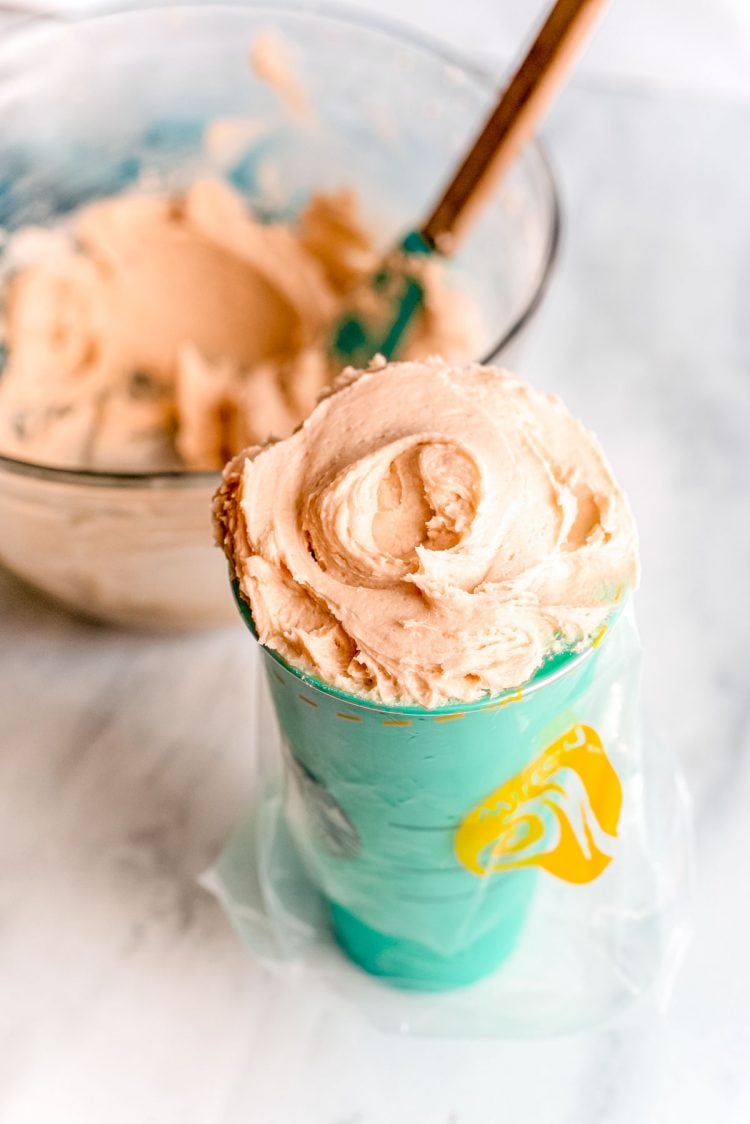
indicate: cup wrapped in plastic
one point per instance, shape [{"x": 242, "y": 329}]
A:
[{"x": 534, "y": 841}]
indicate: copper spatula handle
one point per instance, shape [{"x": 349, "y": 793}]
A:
[{"x": 513, "y": 120}]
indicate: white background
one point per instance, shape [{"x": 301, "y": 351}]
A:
[{"x": 698, "y": 45}]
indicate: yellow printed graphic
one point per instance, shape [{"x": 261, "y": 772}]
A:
[{"x": 561, "y": 813}]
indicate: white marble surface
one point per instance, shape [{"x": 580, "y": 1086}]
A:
[{"x": 124, "y": 759}]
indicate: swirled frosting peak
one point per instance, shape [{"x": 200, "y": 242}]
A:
[{"x": 431, "y": 533}]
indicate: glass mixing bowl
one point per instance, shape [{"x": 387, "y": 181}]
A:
[{"x": 89, "y": 106}]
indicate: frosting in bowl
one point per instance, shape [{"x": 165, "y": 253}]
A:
[{"x": 157, "y": 331}]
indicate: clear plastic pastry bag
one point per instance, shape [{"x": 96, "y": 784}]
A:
[{"x": 518, "y": 866}]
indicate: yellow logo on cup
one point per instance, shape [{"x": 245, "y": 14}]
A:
[{"x": 561, "y": 813}]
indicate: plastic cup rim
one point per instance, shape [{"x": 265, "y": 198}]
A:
[{"x": 540, "y": 680}]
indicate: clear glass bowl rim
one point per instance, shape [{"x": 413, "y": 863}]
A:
[{"x": 324, "y": 11}]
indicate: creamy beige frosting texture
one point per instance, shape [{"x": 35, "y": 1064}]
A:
[
  {"x": 430, "y": 533},
  {"x": 164, "y": 332}
]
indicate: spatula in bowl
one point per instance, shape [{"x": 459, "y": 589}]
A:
[{"x": 356, "y": 337}]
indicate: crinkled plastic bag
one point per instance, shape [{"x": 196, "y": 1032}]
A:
[{"x": 514, "y": 867}]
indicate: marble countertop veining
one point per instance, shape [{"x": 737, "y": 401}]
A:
[{"x": 124, "y": 759}]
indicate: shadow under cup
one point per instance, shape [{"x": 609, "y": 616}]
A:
[{"x": 375, "y": 797}]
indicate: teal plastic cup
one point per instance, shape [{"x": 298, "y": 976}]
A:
[{"x": 376, "y": 796}]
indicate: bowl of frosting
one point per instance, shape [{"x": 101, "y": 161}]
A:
[{"x": 190, "y": 196}]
